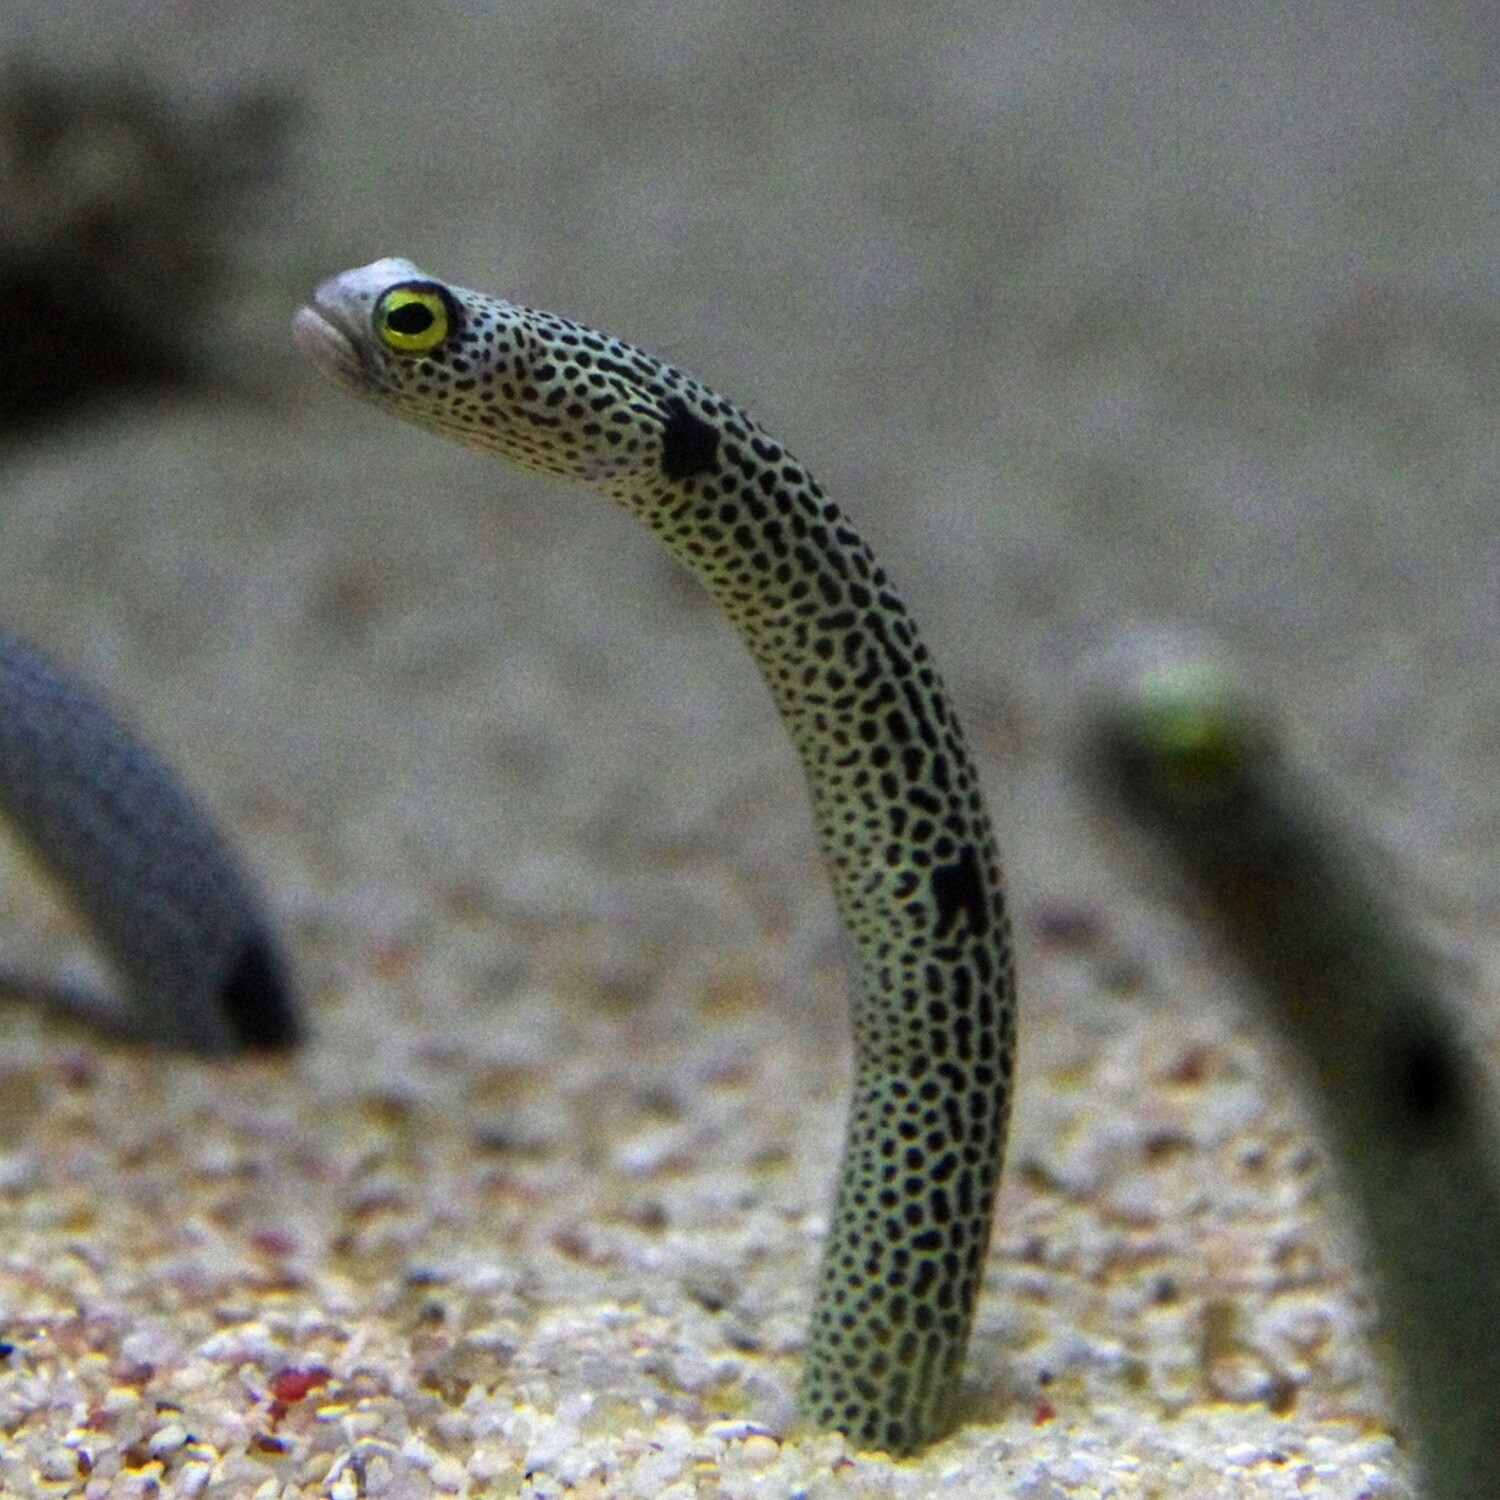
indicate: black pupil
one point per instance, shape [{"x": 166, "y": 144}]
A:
[{"x": 412, "y": 317}]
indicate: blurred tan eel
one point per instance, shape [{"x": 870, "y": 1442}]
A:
[
  {"x": 144, "y": 864},
  {"x": 1178, "y": 747},
  {"x": 897, "y": 800}
]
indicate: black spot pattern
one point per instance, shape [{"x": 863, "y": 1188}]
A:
[{"x": 898, "y": 804}]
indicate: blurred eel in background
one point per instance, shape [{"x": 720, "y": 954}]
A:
[
  {"x": 143, "y": 862},
  {"x": 1178, "y": 748}
]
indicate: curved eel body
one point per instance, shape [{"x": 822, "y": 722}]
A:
[
  {"x": 143, "y": 862},
  {"x": 1175, "y": 745},
  {"x": 897, "y": 800}
]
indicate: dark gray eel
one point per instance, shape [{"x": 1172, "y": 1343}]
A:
[
  {"x": 144, "y": 863},
  {"x": 1181, "y": 750}
]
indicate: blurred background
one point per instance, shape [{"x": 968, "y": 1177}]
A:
[{"x": 1090, "y": 315}]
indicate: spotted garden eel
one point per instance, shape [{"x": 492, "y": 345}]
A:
[
  {"x": 142, "y": 861},
  {"x": 897, "y": 800},
  {"x": 1175, "y": 744}
]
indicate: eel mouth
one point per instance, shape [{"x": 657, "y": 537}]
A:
[{"x": 317, "y": 333}]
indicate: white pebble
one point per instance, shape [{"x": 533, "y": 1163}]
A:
[
  {"x": 447, "y": 1474},
  {"x": 58, "y": 1464},
  {"x": 193, "y": 1477},
  {"x": 167, "y": 1439},
  {"x": 245, "y": 1343},
  {"x": 17, "y": 1171}
]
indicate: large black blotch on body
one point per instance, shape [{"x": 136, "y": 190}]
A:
[
  {"x": 688, "y": 443},
  {"x": 1424, "y": 1081},
  {"x": 959, "y": 889},
  {"x": 258, "y": 1000}
]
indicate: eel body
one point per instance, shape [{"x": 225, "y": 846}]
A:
[
  {"x": 897, "y": 800},
  {"x": 144, "y": 863},
  {"x": 1178, "y": 747}
]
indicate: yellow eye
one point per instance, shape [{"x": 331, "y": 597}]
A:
[
  {"x": 1197, "y": 750},
  {"x": 1194, "y": 728},
  {"x": 412, "y": 319}
]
